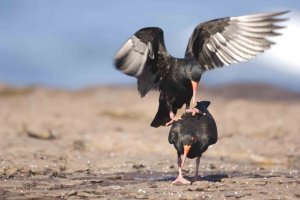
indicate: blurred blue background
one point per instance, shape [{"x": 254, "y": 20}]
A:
[{"x": 71, "y": 44}]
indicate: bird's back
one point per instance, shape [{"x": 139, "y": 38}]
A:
[
  {"x": 175, "y": 91},
  {"x": 206, "y": 132},
  {"x": 204, "y": 128}
]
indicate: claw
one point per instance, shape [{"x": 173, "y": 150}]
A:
[
  {"x": 173, "y": 119},
  {"x": 194, "y": 111}
]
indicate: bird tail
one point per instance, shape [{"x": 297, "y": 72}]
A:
[{"x": 162, "y": 116}]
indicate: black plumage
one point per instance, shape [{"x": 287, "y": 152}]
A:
[
  {"x": 212, "y": 44},
  {"x": 192, "y": 135}
]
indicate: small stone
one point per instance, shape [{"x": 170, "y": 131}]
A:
[
  {"x": 84, "y": 195},
  {"x": 297, "y": 195},
  {"x": 256, "y": 176},
  {"x": 79, "y": 145},
  {"x": 45, "y": 135},
  {"x": 212, "y": 166},
  {"x": 153, "y": 186},
  {"x": 186, "y": 170},
  {"x": 218, "y": 184},
  {"x": 55, "y": 174},
  {"x": 263, "y": 192},
  {"x": 138, "y": 166},
  {"x": 31, "y": 172},
  {"x": 115, "y": 177},
  {"x": 71, "y": 193},
  {"x": 62, "y": 167},
  {"x": 280, "y": 182},
  {"x": 199, "y": 189},
  {"x": 11, "y": 172},
  {"x": 96, "y": 181},
  {"x": 260, "y": 183},
  {"x": 119, "y": 129},
  {"x": 221, "y": 188},
  {"x": 229, "y": 194},
  {"x": 2, "y": 171},
  {"x": 241, "y": 195}
]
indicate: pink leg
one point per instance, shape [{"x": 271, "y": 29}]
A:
[
  {"x": 196, "y": 177},
  {"x": 180, "y": 178},
  {"x": 194, "y": 86}
]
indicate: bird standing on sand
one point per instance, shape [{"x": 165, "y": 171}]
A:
[
  {"x": 213, "y": 44},
  {"x": 191, "y": 137}
]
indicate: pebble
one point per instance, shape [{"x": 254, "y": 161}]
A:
[
  {"x": 297, "y": 195},
  {"x": 138, "y": 166},
  {"x": 153, "y": 186},
  {"x": 69, "y": 194},
  {"x": 79, "y": 145},
  {"x": 40, "y": 134},
  {"x": 115, "y": 177},
  {"x": 10, "y": 172},
  {"x": 241, "y": 195},
  {"x": 199, "y": 189},
  {"x": 229, "y": 194},
  {"x": 2, "y": 171},
  {"x": 212, "y": 166},
  {"x": 96, "y": 181},
  {"x": 261, "y": 183}
]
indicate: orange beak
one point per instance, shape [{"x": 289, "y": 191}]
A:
[
  {"x": 185, "y": 153},
  {"x": 194, "y": 86}
]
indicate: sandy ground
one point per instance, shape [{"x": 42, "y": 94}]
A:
[{"x": 97, "y": 143}]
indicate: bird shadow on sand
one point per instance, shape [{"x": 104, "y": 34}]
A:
[
  {"x": 82, "y": 179},
  {"x": 137, "y": 177},
  {"x": 125, "y": 178},
  {"x": 210, "y": 178}
]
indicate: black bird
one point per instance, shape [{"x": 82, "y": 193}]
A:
[
  {"x": 192, "y": 135},
  {"x": 213, "y": 44}
]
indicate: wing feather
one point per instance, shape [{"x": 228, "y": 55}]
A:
[
  {"x": 145, "y": 57},
  {"x": 233, "y": 39}
]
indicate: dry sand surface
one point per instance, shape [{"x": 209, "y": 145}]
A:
[{"x": 97, "y": 143}]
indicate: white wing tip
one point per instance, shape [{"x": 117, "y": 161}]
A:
[{"x": 260, "y": 15}]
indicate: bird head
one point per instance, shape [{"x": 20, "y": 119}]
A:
[
  {"x": 188, "y": 139},
  {"x": 195, "y": 73}
]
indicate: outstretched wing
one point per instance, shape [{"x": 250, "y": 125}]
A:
[
  {"x": 145, "y": 57},
  {"x": 232, "y": 39}
]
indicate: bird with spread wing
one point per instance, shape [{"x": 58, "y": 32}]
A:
[{"x": 213, "y": 44}]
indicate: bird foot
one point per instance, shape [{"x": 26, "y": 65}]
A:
[
  {"x": 181, "y": 180},
  {"x": 173, "y": 119},
  {"x": 194, "y": 111}
]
